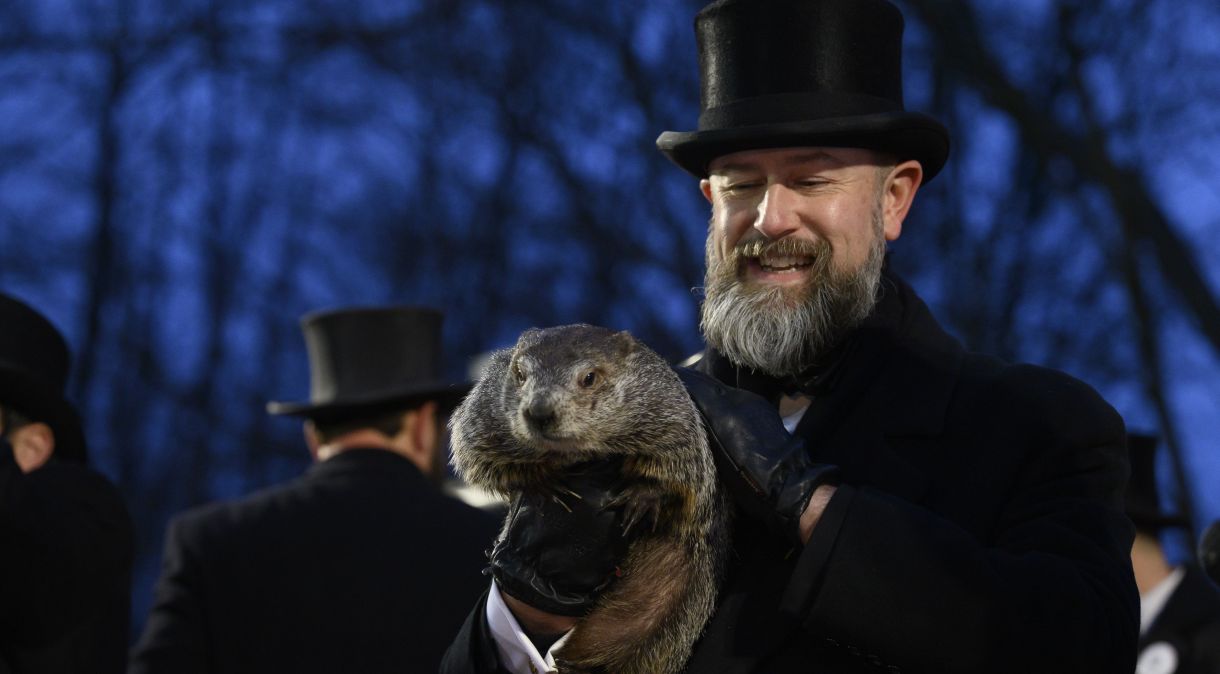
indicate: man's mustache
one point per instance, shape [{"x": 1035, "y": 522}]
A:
[{"x": 759, "y": 246}]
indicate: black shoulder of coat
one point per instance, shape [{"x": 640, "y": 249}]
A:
[
  {"x": 1035, "y": 400},
  {"x": 77, "y": 486},
  {"x": 295, "y": 501}
]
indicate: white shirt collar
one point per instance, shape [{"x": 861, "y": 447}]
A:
[
  {"x": 517, "y": 653},
  {"x": 1153, "y": 602},
  {"x": 792, "y": 409}
]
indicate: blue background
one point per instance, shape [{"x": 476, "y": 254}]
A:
[{"x": 181, "y": 181}]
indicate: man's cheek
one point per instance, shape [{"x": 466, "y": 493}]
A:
[{"x": 730, "y": 235}]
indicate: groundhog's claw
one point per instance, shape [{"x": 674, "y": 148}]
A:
[
  {"x": 641, "y": 504},
  {"x": 562, "y": 504},
  {"x": 559, "y": 494},
  {"x": 571, "y": 493}
]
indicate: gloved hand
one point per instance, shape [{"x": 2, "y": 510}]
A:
[
  {"x": 559, "y": 551},
  {"x": 749, "y": 440}
]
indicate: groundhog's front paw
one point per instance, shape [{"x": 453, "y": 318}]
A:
[{"x": 642, "y": 504}]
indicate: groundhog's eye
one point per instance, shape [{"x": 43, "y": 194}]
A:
[{"x": 590, "y": 378}]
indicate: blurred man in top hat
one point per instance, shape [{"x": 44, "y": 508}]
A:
[
  {"x": 1179, "y": 607},
  {"x": 65, "y": 534},
  {"x": 361, "y": 564},
  {"x": 906, "y": 505}
]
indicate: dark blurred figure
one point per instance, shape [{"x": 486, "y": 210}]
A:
[
  {"x": 65, "y": 535},
  {"x": 1209, "y": 552},
  {"x": 361, "y": 564},
  {"x": 1179, "y": 608}
]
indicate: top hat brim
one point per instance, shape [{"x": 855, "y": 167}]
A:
[
  {"x": 34, "y": 400},
  {"x": 1155, "y": 520},
  {"x": 446, "y": 395},
  {"x": 906, "y": 135}
]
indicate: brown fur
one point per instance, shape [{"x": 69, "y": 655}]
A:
[{"x": 649, "y": 619}]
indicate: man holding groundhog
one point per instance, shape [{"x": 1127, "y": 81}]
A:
[{"x": 903, "y": 505}]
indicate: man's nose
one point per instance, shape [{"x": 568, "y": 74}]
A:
[{"x": 776, "y": 217}]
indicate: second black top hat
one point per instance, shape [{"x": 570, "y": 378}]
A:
[{"x": 367, "y": 358}]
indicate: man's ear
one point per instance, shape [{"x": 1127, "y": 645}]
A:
[
  {"x": 425, "y": 436},
  {"x": 312, "y": 441},
  {"x": 33, "y": 445},
  {"x": 705, "y": 186},
  {"x": 897, "y": 194}
]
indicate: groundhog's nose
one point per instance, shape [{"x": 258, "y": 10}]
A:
[{"x": 540, "y": 414}]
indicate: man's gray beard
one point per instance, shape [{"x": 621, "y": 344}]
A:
[{"x": 783, "y": 330}]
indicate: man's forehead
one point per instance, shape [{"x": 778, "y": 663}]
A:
[{"x": 785, "y": 157}]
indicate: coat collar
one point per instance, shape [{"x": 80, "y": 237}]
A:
[
  {"x": 922, "y": 364},
  {"x": 365, "y": 461}
]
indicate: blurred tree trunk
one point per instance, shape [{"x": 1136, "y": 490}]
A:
[{"x": 103, "y": 273}]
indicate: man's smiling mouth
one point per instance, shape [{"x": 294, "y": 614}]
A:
[{"x": 776, "y": 264}]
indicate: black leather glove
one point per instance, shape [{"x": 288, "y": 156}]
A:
[
  {"x": 775, "y": 476},
  {"x": 559, "y": 551}
]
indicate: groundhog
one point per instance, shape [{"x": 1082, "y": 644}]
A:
[{"x": 567, "y": 395}]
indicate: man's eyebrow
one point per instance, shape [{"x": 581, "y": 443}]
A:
[{"x": 813, "y": 156}]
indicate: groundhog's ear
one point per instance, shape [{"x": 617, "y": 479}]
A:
[
  {"x": 624, "y": 343},
  {"x": 527, "y": 338}
]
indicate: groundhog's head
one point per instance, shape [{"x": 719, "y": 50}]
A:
[{"x": 569, "y": 388}]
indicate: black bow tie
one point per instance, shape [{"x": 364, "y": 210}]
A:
[{"x": 815, "y": 381}]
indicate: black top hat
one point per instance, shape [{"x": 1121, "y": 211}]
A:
[
  {"x": 34, "y": 363},
  {"x": 367, "y": 359},
  {"x": 787, "y": 73},
  {"x": 1143, "y": 503}
]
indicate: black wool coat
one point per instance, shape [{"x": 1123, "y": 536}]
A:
[
  {"x": 360, "y": 565},
  {"x": 66, "y": 547},
  {"x": 1184, "y": 638},
  {"x": 979, "y": 526}
]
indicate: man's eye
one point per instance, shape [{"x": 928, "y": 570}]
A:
[{"x": 743, "y": 186}]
